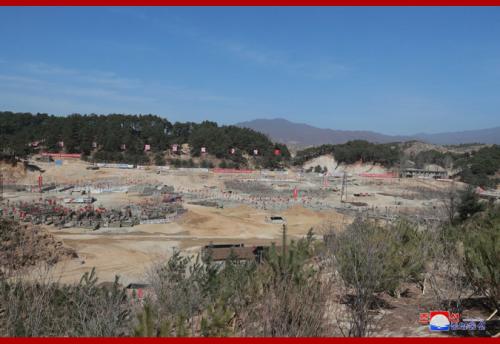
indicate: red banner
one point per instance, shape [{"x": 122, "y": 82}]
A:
[
  {"x": 40, "y": 183},
  {"x": 62, "y": 155},
  {"x": 379, "y": 175},
  {"x": 231, "y": 170}
]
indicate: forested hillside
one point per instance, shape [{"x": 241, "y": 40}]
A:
[
  {"x": 479, "y": 167},
  {"x": 386, "y": 154},
  {"x": 123, "y": 138}
]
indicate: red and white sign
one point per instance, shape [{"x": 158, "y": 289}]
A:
[
  {"x": 203, "y": 149},
  {"x": 147, "y": 147},
  {"x": 174, "y": 148}
]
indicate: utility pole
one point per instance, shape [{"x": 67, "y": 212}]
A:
[
  {"x": 1, "y": 187},
  {"x": 344, "y": 189},
  {"x": 283, "y": 244}
]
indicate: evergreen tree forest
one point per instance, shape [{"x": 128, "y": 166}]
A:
[
  {"x": 353, "y": 151},
  {"x": 123, "y": 138}
]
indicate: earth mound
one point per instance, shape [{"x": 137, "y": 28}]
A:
[{"x": 23, "y": 246}]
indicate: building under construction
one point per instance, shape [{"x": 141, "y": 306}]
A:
[
  {"x": 416, "y": 172},
  {"x": 238, "y": 252},
  {"x": 50, "y": 212}
]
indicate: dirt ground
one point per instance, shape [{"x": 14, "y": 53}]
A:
[{"x": 129, "y": 251}]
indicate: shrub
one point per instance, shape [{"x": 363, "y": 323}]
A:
[
  {"x": 159, "y": 159},
  {"x": 469, "y": 204},
  {"x": 481, "y": 243},
  {"x": 46, "y": 308},
  {"x": 370, "y": 259}
]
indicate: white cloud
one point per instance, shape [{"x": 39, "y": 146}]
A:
[
  {"x": 319, "y": 68},
  {"x": 93, "y": 77},
  {"x": 315, "y": 69},
  {"x": 44, "y": 68},
  {"x": 21, "y": 80},
  {"x": 58, "y": 89}
]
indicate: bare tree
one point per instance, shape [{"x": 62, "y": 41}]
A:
[
  {"x": 288, "y": 309},
  {"x": 98, "y": 311},
  {"x": 27, "y": 303},
  {"x": 368, "y": 259},
  {"x": 445, "y": 270},
  {"x": 178, "y": 292},
  {"x": 450, "y": 202},
  {"x": 37, "y": 305}
]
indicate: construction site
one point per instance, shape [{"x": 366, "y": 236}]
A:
[
  {"x": 121, "y": 219},
  {"x": 249, "y": 172}
]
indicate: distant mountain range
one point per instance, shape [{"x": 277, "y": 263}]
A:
[{"x": 303, "y": 135}]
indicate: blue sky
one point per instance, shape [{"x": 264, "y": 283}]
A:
[{"x": 392, "y": 70}]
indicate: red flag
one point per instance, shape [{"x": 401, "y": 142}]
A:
[
  {"x": 40, "y": 183},
  {"x": 277, "y": 152},
  {"x": 295, "y": 193}
]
